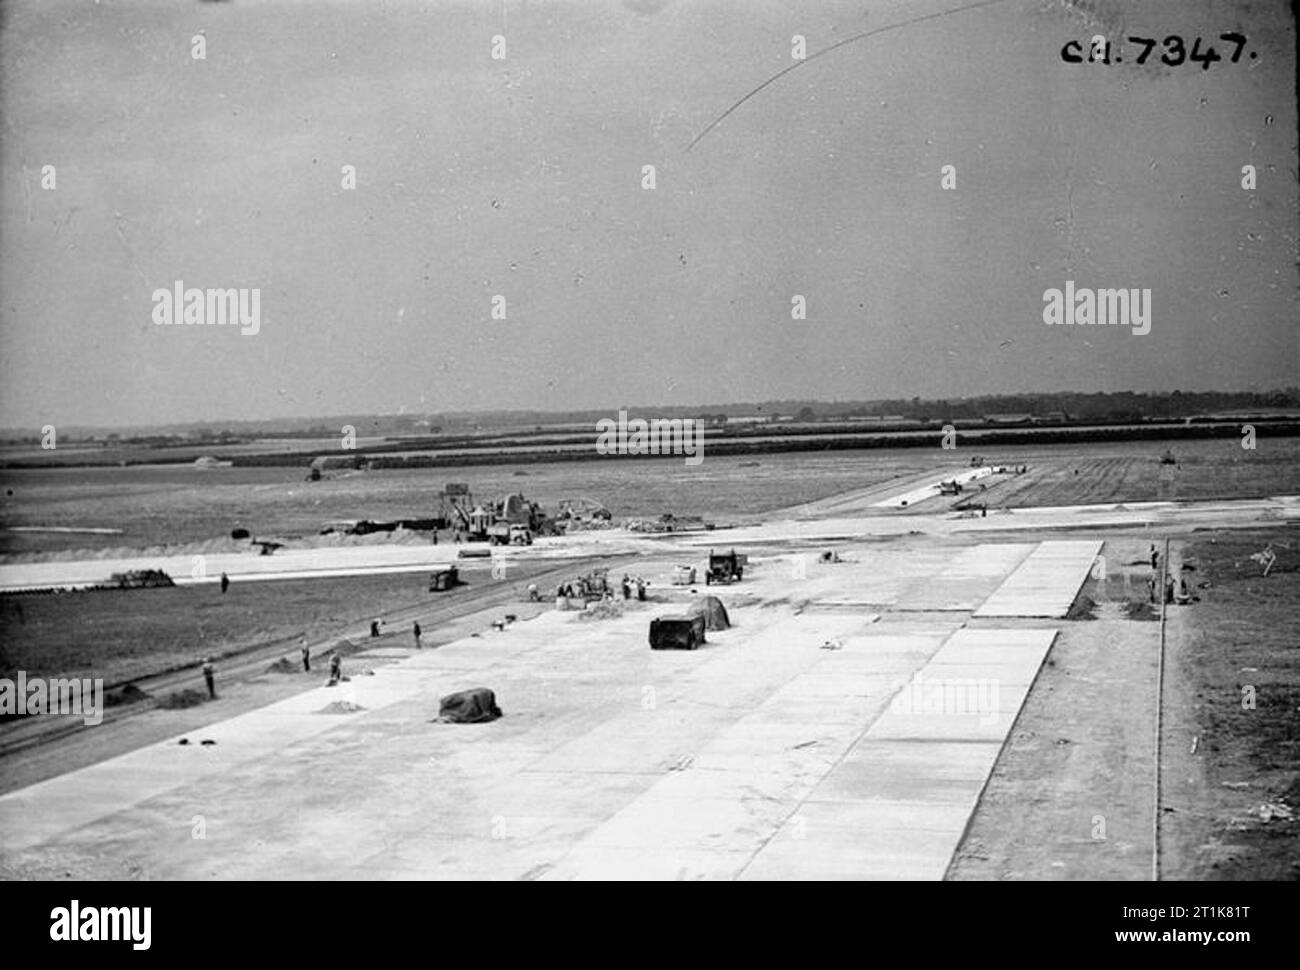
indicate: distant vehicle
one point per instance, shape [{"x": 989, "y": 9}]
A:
[
  {"x": 683, "y": 575},
  {"x": 724, "y": 567},
  {"x": 509, "y": 534},
  {"x": 950, "y": 488},
  {"x": 583, "y": 509},
  {"x": 444, "y": 579},
  {"x": 676, "y": 632}
]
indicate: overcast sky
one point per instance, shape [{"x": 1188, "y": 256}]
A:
[{"x": 523, "y": 177}]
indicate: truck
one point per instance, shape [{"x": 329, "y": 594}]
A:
[
  {"x": 724, "y": 567},
  {"x": 676, "y": 632},
  {"x": 444, "y": 579},
  {"x": 508, "y": 534}
]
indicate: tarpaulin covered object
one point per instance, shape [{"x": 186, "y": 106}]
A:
[{"x": 471, "y": 706}]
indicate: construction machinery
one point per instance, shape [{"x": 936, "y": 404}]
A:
[
  {"x": 725, "y": 567},
  {"x": 950, "y": 488},
  {"x": 594, "y": 585},
  {"x": 582, "y": 509},
  {"x": 511, "y": 521}
]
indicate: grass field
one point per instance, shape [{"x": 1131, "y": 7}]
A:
[
  {"x": 1235, "y": 661},
  {"x": 120, "y": 636}
]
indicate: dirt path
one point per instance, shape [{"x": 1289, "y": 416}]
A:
[{"x": 1071, "y": 796}]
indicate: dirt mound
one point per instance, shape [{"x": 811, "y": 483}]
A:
[
  {"x": 130, "y": 694},
  {"x": 179, "y": 699},
  {"x": 340, "y": 707},
  {"x": 602, "y": 610},
  {"x": 283, "y": 666},
  {"x": 1083, "y": 608}
]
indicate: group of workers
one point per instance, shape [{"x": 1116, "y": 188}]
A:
[
  {"x": 1179, "y": 594},
  {"x": 568, "y": 591}
]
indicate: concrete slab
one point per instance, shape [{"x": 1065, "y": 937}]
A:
[
  {"x": 609, "y": 863},
  {"x": 1046, "y": 583}
]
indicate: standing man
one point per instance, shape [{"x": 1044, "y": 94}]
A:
[
  {"x": 225, "y": 583},
  {"x": 415, "y": 628},
  {"x": 336, "y": 668},
  {"x": 210, "y": 676},
  {"x": 1155, "y": 557},
  {"x": 374, "y": 628},
  {"x": 306, "y": 654}
]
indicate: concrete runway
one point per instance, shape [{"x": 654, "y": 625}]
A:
[{"x": 807, "y": 742}]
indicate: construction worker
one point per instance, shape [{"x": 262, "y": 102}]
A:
[
  {"x": 210, "y": 676},
  {"x": 374, "y": 628},
  {"x": 336, "y": 668},
  {"x": 306, "y": 655},
  {"x": 225, "y": 583},
  {"x": 1155, "y": 557},
  {"x": 532, "y": 593},
  {"x": 627, "y": 587},
  {"x": 640, "y": 589},
  {"x": 415, "y": 628}
]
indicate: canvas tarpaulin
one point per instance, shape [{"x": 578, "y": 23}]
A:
[
  {"x": 469, "y": 707},
  {"x": 714, "y": 613}
]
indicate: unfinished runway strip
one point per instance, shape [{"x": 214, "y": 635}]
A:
[
  {"x": 828, "y": 743},
  {"x": 1046, "y": 583}
]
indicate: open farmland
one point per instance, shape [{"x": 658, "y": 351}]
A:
[
  {"x": 1069, "y": 475},
  {"x": 162, "y": 506}
]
